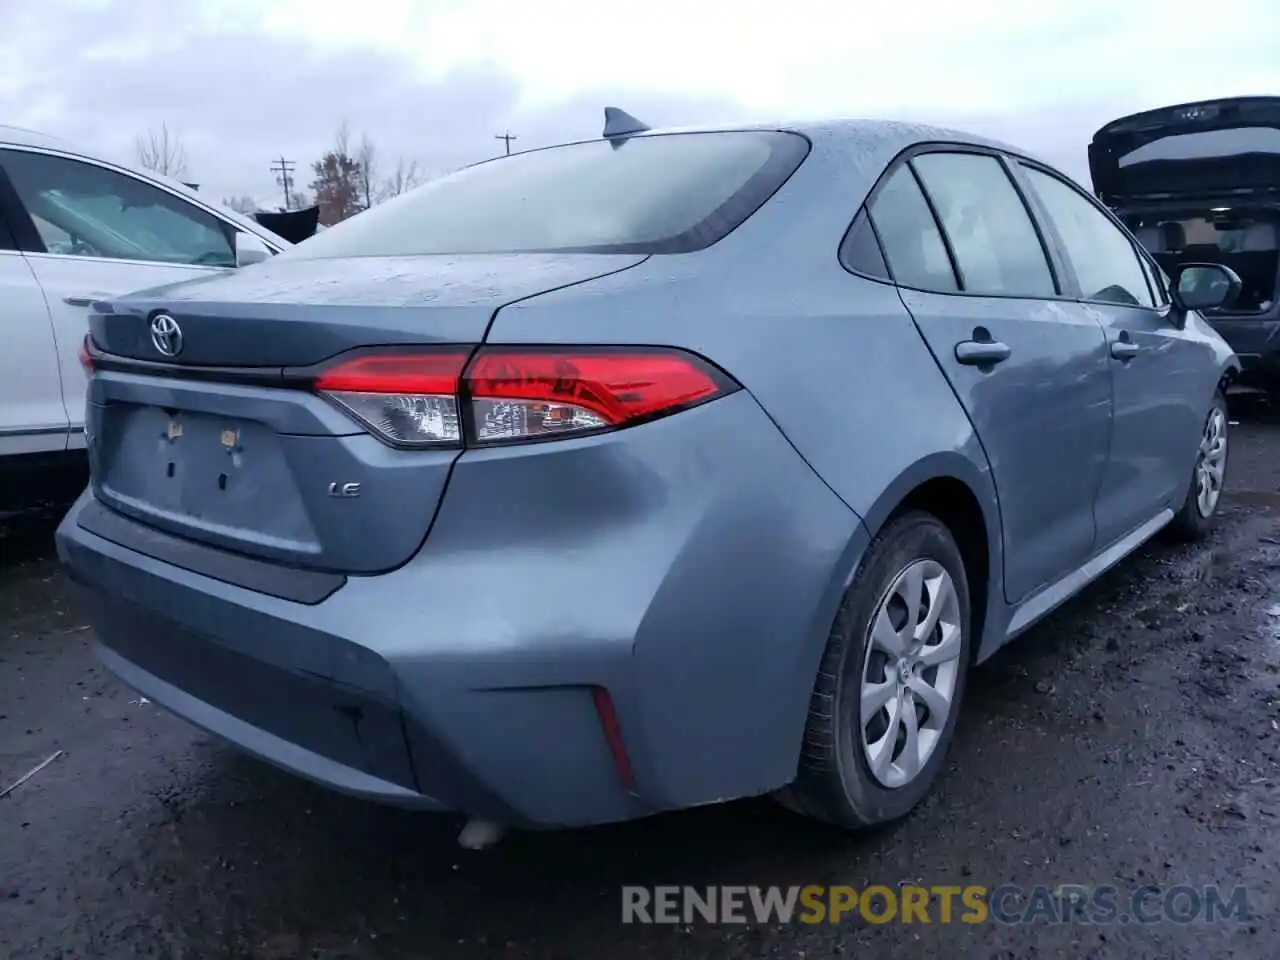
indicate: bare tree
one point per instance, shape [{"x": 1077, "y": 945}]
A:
[
  {"x": 405, "y": 177},
  {"x": 349, "y": 177},
  {"x": 367, "y": 157},
  {"x": 245, "y": 205},
  {"x": 342, "y": 141},
  {"x": 337, "y": 185},
  {"x": 162, "y": 151}
]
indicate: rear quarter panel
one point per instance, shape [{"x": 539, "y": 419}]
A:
[{"x": 833, "y": 359}]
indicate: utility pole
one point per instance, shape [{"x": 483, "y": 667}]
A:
[
  {"x": 506, "y": 138},
  {"x": 284, "y": 168}
]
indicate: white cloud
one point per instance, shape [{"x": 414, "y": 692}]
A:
[
  {"x": 245, "y": 80},
  {"x": 823, "y": 56}
]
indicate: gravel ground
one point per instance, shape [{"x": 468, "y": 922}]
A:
[{"x": 1132, "y": 739}]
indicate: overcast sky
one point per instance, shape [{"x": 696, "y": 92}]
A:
[{"x": 244, "y": 81}]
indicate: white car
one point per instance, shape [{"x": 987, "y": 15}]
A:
[{"x": 75, "y": 228}]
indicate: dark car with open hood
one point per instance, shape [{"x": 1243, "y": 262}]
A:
[{"x": 1200, "y": 182}]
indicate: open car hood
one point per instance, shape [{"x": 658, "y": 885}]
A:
[{"x": 1208, "y": 148}]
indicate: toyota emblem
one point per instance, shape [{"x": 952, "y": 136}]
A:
[{"x": 166, "y": 334}]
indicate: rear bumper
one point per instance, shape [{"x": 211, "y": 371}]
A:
[{"x": 697, "y": 591}]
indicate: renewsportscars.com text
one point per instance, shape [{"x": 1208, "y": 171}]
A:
[{"x": 1007, "y": 904}]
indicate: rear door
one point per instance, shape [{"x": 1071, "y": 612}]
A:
[
  {"x": 1028, "y": 365},
  {"x": 1162, "y": 377},
  {"x": 92, "y": 232},
  {"x": 1210, "y": 148}
]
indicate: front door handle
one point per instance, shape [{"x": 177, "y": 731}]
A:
[
  {"x": 84, "y": 300},
  {"x": 1124, "y": 348},
  {"x": 978, "y": 352}
]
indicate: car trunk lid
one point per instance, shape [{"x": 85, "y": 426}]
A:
[
  {"x": 298, "y": 312},
  {"x": 1219, "y": 148},
  {"x": 222, "y": 442}
]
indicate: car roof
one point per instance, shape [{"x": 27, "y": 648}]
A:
[
  {"x": 873, "y": 134},
  {"x": 22, "y": 137},
  {"x": 900, "y": 134},
  {"x": 858, "y": 149}
]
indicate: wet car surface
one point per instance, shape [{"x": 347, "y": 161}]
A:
[{"x": 1131, "y": 739}]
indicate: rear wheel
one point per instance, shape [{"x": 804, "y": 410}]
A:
[
  {"x": 1208, "y": 476},
  {"x": 885, "y": 703}
]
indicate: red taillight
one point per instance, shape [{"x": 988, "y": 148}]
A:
[
  {"x": 529, "y": 394},
  {"x": 420, "y": 374},
  {"x": 82, "y": 351},
  {"x": 409, "y": 399},
  {"x": 515, "y": 393}
]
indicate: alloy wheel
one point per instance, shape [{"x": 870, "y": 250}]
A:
[
  {"x": 1211, "y": 462},
  {"x": 909, "y": 673}
]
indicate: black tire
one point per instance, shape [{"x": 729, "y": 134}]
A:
[
  {"x": 1190, "y": 523},
  {"x": 834, "y": 782}
]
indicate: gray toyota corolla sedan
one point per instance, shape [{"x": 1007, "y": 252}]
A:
[{"x": 645, "y": 472}]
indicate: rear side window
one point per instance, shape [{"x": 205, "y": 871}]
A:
[
  {"x": 996, "y": 246},
  {"x": 912, "y": 244},
  {"x": 667, "y": 193},
  {"x": 860, "y": 251},
  {"x": 1105, "y": 261}
]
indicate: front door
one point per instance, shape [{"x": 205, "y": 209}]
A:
[
  {"x": 1029, "y": 366},
  {"x": 92, "y": 233},
  {"x": 1157, "y": 419}
]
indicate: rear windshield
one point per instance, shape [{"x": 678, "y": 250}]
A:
[{"x": 667, "y": 193}]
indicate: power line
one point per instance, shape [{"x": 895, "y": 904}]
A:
[
  {"x": 506, "y": 138},
  {"x": 284, "y": 168}
]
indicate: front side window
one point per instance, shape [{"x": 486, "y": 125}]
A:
[
  {"x": 1106, "y": 265},
  {"x": 1157, "y": 280},
  {"x": 664, "y": 193},
  {"x": 83, "y": 209},
  {"x": 995, "y": 243},
  {"x": 913, "y": 246}
]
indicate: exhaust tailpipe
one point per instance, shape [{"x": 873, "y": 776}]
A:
[{"x": 480, "y": 834}]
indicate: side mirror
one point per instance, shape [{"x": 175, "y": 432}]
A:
[
  {"x": 1204, "y": 286},
  {"x": 250, "y": 249}
]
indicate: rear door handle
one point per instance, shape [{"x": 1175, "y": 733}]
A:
[
  {"x": 84, "y": 300},
  {"x": 977, "y": 352},
  {"x": 1124, "y": 349}
]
